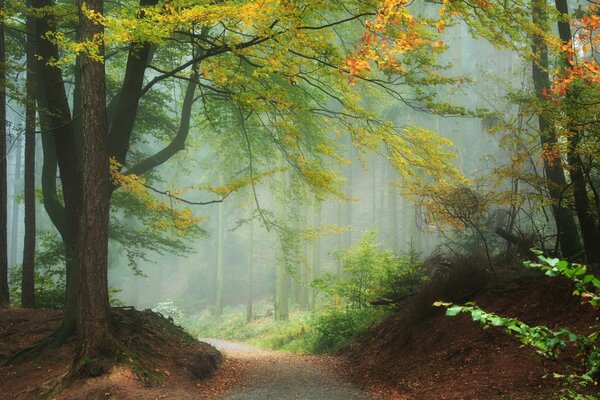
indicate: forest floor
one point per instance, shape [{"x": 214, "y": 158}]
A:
[
  {"x": 419, "y": 353},
  {"x": 412, "y": 356},
  {"x": 258, "y": 374}
]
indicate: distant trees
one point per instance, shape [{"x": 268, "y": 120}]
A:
[{"x": 562, "y": 96}]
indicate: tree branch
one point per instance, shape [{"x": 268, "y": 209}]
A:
[{"x": 178, "y": 142}]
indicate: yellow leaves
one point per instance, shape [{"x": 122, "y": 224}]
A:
[
  {"x": 133, "y": 185},
  {"x": 128, "y": 182},
  {"x": 322, "y": 230},
  {"x": 440, "y": 25},
  {"x": 225, "y": 190},
  {"x": 393, "y": 34}
]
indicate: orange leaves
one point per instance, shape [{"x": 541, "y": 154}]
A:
[
  {"x": 581, "y": 64},
  {"x": 393, "y": 33},
  {"x": 551, "y": 153}
]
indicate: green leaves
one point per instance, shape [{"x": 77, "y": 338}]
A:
[
  {"x": 587, "y": 286},
  {"x": 547, "y": 342},
  {"x": 453, "y": 310}
]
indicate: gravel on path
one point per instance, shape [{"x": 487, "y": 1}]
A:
[{"x": 272, "y": 375}]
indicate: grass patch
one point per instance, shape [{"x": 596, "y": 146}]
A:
[{"x": 325, "y": 331}]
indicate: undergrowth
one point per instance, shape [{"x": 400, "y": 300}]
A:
[{"x": 305, "y": 332}]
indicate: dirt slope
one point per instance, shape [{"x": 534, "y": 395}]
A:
[
  {"x": 171, "y": 362},
  {"x": 436, "y": 357}
]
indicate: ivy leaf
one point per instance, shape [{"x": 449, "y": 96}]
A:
[{"x": 453, "y": 311}]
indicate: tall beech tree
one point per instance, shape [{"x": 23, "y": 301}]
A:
[
  {"x": 589, "y": 226},
  {"x": 94, "y": 324},
  {"x": 27, "y": 281},
  {"x": 4, "y": 293},
  {"x": 566, "y": 227}
]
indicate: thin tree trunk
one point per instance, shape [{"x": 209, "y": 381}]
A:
[
  {"x": 315, "y": 268},
  {"x": 4, "y": 292},
  {"x": 281, "y": 291},
  {"x": 392, "y": 212},
  {"x": 250, "y": 273},
  {"x": 16, "y": 209},
  {"x": 566, "y": 229},
  {"x": 27, "y": 283},
  {"x": 220, "y": 259},
  {"x": 97, "y": 341}
]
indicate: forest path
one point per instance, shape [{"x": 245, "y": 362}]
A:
[{"x": 259, "y": 374}]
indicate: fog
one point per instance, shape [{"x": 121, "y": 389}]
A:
[{"x": 371, "y": 199}]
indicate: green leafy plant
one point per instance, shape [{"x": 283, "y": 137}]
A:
[
  {"x": 370, "y": 272},
  {"x": 587, "y": 286},
  {"x": 547, "y": 342}
]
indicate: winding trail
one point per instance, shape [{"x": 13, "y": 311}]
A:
[{"x": 272, "y": 375}]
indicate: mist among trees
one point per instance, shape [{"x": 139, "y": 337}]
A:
[{"x": 292, "y": 173}]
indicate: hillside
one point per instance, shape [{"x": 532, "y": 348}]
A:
[
  {"x": 167, "y": 361},
  {"x": 419, "y": 353}
]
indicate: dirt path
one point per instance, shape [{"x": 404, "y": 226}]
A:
[{"x": 262, "y": 374}]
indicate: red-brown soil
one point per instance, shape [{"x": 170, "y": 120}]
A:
[
  {"x": 167, "y": 362},
  {"x": 416, "y": 356}
]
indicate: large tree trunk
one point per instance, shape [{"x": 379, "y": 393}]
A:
[
  {"x": 59, "y": 144},
  {"x": 587, "y": 223},
  {"x": 97, "y": 341},
  {"x": 566, "y": 229},
  {"x": 27, "y": 283},
  {"x": 4, "y": 293}
]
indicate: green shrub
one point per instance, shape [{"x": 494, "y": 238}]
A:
[
  {"x": 332, "y": 330},
  {"x": 370, "y": 273}
]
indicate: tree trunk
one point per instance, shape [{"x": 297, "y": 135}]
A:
[
  {"x": 587, "y": 223},
  {"x": 281, "y": 291},
  {"x": 97, "y": 341},
  {"x": 392, "y": 212},
  {"x": 315, "y": 268},
  {"x": 58, "y": 142},
  {"x": 4, "y": 293},
  {"x": 566, "y": 229},
  {"x": 250, "y": 273},
  {"x": 16, "y": 208},
  {"x": 220, "y": 259},
  {"x": 27, "y": 283}
]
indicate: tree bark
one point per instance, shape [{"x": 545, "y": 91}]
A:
[
  {"x": 97, "y": 341},
  {"x": 566, "y": 229},
  {"x": 27, "y": 283},
  {"x": 4, "y": 292}
]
